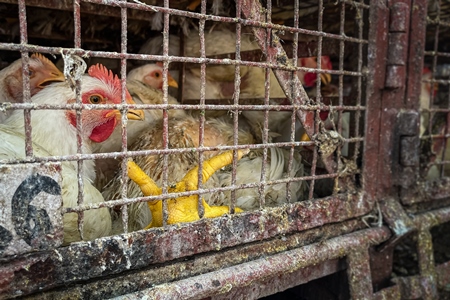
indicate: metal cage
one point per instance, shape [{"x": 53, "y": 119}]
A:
[{"x": 351, "y": 95}]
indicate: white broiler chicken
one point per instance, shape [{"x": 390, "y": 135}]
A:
[
  {"x": 152, "y": 75},
  {"x": 249, "y": 170},
  {"x": 42, "y": 72},
  {"x": 183, "y": 133},
  {"x": 54, "y": 133},
  {"x": 220, "y": 78},
  {"x": 145, "y": 86},
  {"x": 141, "y": 94}
]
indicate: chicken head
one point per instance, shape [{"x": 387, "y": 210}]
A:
[
  {"x": 41, "y": 71},
  {"x": 152, "y": 75},
  {"x": 98, "y": 125}
]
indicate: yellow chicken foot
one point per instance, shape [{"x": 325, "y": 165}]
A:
[{"x": 183, "y": 209}]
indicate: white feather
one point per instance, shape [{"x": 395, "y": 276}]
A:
[{"x": 52, "y": 135}]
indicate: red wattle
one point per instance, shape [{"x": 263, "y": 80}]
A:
[{"x": 102, "y": 132}]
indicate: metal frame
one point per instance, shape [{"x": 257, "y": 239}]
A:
[{"x": 258, "y": 253}]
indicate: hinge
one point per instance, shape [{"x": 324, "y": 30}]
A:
[
  {"x": 407, "y": 139},
  {"x": 398, "y": 45}
]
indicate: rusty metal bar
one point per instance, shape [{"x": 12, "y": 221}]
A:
[
  {"x": 378, "y": 52},
  {"x": 416, "y": 49},
  {"x": 432, "y": 218},
  {"x": 112, "y": 255},
  {"x": 237, "y": 91},
  {"x": 393, "y": 96},
  {"x": 201, "y": 130},
  {"x": 438, "y": 189},
  {"x": 147, "y": 57},
  {"x": 272, "y": 285},
  {"x": 443, "y": 274},
  {"x": 241, "y": 107},
  {"x": 132, "y": 282},
  {"x": 426, "y": 264},
  {"x": 165, "y": 119},
  {"x": 391, "y": 293},
  {"x": 411, "y": 287},
  {"x": 358, "y": 269},
  {"x": 276, "y": 54},
  {"x": 244, "y": 275},
  {"x": 25, "y": 78},
  {"x": 359, "y": 97},
  {"x": 124, "y": 118}
]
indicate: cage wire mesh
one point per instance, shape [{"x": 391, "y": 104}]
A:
[
  {"x": 224, "y": 78},
  {"x": 254, "y": 111}
]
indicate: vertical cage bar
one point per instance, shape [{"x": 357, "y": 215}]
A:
[
  {"x": 25, "y": 77},
  {"x": 294, "y": 111},
  {"x": 341, "y": 91},
  {"x": 426, "y": 263},
  {"x": 201, "y": 130},
  {"x": 318, "y": 100},
  {"x": 265, "y": 139},
  {"x": 124, "y": 111},
  {"x": 376, "y": 66},
  {"x": 358, "y": 272},
  {"x": 237, "y": 91},
  {"x": 165, "y": 174},
  {"x": 77, "y": 44},
  {"x": 359, "y": 93}
]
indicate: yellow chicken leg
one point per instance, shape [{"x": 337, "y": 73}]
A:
[{"x": 183, "y": 209}]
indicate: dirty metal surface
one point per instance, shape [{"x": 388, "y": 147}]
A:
[
  {"x": 426, "y": 191},
  {"x": 30, "y": 208},
  {"x": 283, "y": 280},
  {"x": 152, "y": 275},
  {"x": 111, "y": 255},
  {"x": 377, "y": 53},
  {"x": 432, "y": 276},
  {"x": 102, "y": 262},
  {"x": 443, "y": 274},
  {"x": 413, "y": 287},
  {"x": 391, "y": 293},
  {"x": 223, "y": 282},
  {"x": 392, "y": 101}
]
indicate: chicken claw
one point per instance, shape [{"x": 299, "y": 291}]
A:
[{"x": 185, "y": 208}]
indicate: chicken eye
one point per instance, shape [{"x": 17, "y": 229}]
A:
[
  {"x": 95, "y": 99},
  {"x": 157, "y": 74},
  {"x": 30, "y": 73}
]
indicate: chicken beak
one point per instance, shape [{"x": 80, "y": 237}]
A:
[
  {"x": 305, "y": 138},
  {"x": 325, "y": 78},
  {"x": 132, "y": 114},
  {"x": 171, "y": 82},
  {"x": 53, "y": 75},
  {"x": 135, "y": 114}
]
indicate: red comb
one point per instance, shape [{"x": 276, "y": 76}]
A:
[
  {"x": 159, "y": 63},
  {"x": 309, "y": 79},
  {"x": 100, "y": 72}
]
